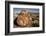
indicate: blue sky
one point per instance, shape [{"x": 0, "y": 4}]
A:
[{"x": 32, "y": 10}]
